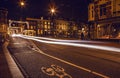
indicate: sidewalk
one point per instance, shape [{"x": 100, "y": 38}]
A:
[
  {"x": 4, "y": 69},
  {"x": 8, "y": 67}
]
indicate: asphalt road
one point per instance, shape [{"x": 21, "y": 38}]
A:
[{"x": 60, "y": 61}]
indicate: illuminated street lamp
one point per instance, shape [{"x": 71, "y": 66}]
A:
[
  {"x": 22, "y": 4},
  {"x": 53, "y": 11}
]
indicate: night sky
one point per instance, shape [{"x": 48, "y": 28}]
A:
[{"x": 68, "y": 9}]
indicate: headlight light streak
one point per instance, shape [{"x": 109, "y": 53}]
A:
[
  {"x": 76, "y": 45},
  {"x": 16, "y": 35},
  {"x": 60, "y": 40}
]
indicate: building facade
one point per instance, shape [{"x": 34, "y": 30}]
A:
[
  {"x": 3, "y": 23},
  {"x": 91, "y": 12},
  {"x": 61, "y": 28},
  {"x": 18, "y": 27},
  {"x": 39, "y": 27},
  {"x": 56, "y": 28},
  {"x": 104, "y": 18},
  {"x": 32, "y": 29},
  {"x": 73, "y": 29}
]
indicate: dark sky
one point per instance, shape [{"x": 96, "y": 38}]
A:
[{"x": 76, "y": 9}]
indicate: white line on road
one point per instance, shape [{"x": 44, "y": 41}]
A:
[
  {"x": 66, "y": 62},
  {"x": 79, "y": 67}
]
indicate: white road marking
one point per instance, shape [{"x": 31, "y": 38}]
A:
[
  {"x": 55, "y": 70},
  {"x": 66, "y": 62},
  {"x": 79, "y": 67}
]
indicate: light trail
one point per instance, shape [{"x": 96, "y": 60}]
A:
[
  {"x": 60, "y": 40},
  {"x": 76, "y": 45}
]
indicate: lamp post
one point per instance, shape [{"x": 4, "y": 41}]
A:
[
  {"x": 52, "y": 11},
  {"x": 22, "y": 4}
]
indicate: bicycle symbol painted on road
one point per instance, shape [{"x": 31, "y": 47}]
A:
[{"x": 55, "y": 70}]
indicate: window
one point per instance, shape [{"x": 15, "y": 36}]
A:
[
  {"x": 48, "y": 23},
  {"x": 103, "y": 10},
  {"x": 92, "y": 14},
  {"x": 45, "y": 22},
  {"x": 45, "y": 26}
]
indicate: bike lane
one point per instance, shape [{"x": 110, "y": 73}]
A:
[{"x": 36, "y": 64}]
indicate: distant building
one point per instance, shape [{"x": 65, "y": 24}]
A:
[
  {"x": 72, "y": 29},
  {"x": 32, "y": 29},
  {"x": 61, "y": 28},
  {"x": 91, "y": 12},
  {"x": 104, "y": 18},
  {"x": 18, "y": 27},
  {"x": 3, "y": 23},
  {"x": 39, "y": 27},
  {"x": 44, "y": 27}
]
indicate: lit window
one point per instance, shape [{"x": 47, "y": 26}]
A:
[
  {"x": 45, "y": 22},
  {"x": 48, "y": 27},
  {"x": 45, "y": 26},
  {"x": 48, "y": 23}
]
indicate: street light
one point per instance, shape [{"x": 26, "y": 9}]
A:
[
  {"x": 22, "y": 4},
  {"x": 52, "y": 7},
  {"x": 52, "y": 12}
]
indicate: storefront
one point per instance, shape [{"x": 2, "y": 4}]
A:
[{"x": 108, "y": 29}]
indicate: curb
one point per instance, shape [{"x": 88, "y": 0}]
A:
[{"x": 16, "y": 73}]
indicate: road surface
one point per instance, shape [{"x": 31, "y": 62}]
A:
[{"x": 44, "y": 60}]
